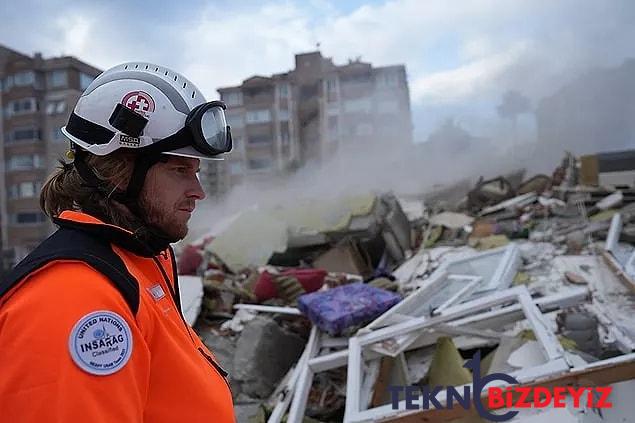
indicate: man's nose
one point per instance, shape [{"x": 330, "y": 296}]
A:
[{"x": 196, "y": 191}]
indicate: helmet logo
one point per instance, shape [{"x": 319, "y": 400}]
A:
[{"x": 139, "y": 102}]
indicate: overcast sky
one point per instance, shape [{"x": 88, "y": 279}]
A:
[{"x": 460, "y": 55}]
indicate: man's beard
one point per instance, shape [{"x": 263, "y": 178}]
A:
[{"x": 163, "y": 219}]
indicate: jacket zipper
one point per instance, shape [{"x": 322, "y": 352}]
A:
[
  {"x": 177, "y": 303},
  {"x": 217, "y": 367}
]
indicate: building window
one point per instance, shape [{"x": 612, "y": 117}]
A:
[
  {"x": 259, "y": 139},
  {"x": 258, "y": 116},
  {"x": 235, "y": 168},
  {"x": 20, "y": 79},
  {"x": 85, "y": 80},
  {"x": 283, "y": 90},
  {"x": 364, "y": 129},
  {"x": 358, "y": 105},
  {"x": 285, "y": 137},
  {"x": 333, "y": 128},
  {"x": 57, "y": 79},
  {"x": 25, "y": 218},
  {"x": 22, "y": 106},
  {"x": 331, "y": 89},
  {"x": 24, "y": 134},
  {"x": 24, "y": 190},
  {"x": 24, "y": 162},
  {"x": 237, "y": 142},
  {"x": 54, "y": 107},
  {"x": 283, "y": 114},
  {"x": 233, "y": 98},
  {"x": 388, "y": 79},
  {"x": 388, "y": 106},
  {"x": 235, "y": 120},
  {"x": 257, "y": 164},
  {"x": 57, "y": 135}
]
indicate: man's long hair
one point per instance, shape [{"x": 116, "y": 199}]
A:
[{"x": 66, "y": 190}]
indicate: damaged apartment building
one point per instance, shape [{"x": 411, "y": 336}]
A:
[
  {"x": 37, "y": 97},
  {"x": 286, "y": 120}
]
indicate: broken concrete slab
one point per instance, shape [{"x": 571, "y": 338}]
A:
[
  {"x": 346, "y": 257},
  {"x": 264, "y": 354},
  {"x": 451, "y": 220},
  {"x": 223, "y": 348},
  {"x": 248, "y": 412},
  {"x": 511, "y": 204}
]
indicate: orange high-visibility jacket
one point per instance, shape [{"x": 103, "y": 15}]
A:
[{"x": 72, "y": 348}]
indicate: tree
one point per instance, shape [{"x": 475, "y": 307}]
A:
[
  {"x": 512, "y": 105},
  {"x": 450, "y": 138}
]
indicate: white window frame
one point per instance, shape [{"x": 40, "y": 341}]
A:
[
  {"x": 417, "y": 304},
  {"x": 10, "y": 111},
  {"x": 54, "y": 107},
  {"x": 36, "y": 135},
  {"x": 57, "y": 78},
  {"x": 258, "y": 116},
  {"x": 359, "y": 105},
  {"x": 553, "y": 351},
  {"x": 233, "y": 98},
  {"x": 283, "y": 90},
  {"x": 235, "y": 120},
  {"x": 12, "y": 165},
  {"x": 85, "y": 80},
  {"x": 310, "y": 363}
]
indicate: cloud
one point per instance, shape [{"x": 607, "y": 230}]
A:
[
  {"x": 453, "y": 53},
  {"x": 226, "y": 48},
  {"x": 468, "y": 80}
]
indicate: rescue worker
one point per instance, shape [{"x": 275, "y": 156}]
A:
[{"x": 91, "y": 327}]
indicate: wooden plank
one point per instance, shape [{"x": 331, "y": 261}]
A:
[
  {"x": 617, "y": 269},
  {"x": 380, "y": 388},
  {"x": 589, "y": 170}
]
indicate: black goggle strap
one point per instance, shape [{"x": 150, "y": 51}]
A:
[
  {"x": 86, "y": 173},
  {"x": 131, "y": 196}
]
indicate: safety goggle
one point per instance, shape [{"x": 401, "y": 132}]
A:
[{"x": 205, "y": 130}]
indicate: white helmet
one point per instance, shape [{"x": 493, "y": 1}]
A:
[{"x": 149, "y": 108}]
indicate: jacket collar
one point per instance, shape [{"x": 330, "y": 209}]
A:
[{"x": 150, "y": 246}]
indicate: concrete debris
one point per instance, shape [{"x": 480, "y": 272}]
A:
[
  {"x": 451, "y": 220},
  {"x": 528, "y": 355},
  {"x": 315, "y": 310},
  {"x": 575, "y": 278},
  {"x": 264, "y": 353},
  {"x": 237, "y": 323}
]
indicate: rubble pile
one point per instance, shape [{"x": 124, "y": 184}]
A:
[{"x": 316, "y": 311}]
